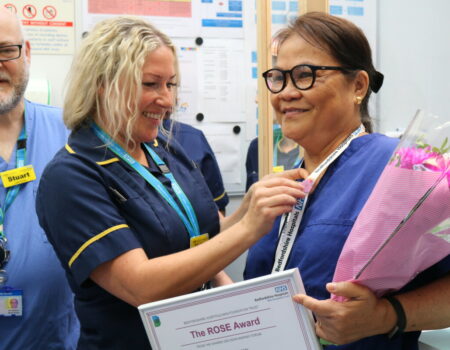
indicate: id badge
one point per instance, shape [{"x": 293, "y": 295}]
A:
[
  {"x": 11, "y": 302},
  {"x": 197, "y": 240},
  {"x": 278, "y": 169},
  {"x": 18, "y": 176}
]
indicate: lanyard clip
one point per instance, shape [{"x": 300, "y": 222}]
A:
[
  {"x": 4, "y": 252},
  {"x": 21, "y": 143},
  {"x": 163, "y": 168}
]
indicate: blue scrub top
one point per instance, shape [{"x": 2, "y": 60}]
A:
[
  {"x": 94, "y": 207},
  {"x": 329, "y": 216},
  {"x": 49, "y": 321},
  {"x": 196, "y": 146}
]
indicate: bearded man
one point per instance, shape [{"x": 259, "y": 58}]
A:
[{"x": 43, "y": 315}]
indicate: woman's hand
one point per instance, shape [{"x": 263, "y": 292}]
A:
[
  {"x": 361, "y": 315},
  {"x": 129, "y": 275},
  {"x": 270, "y": 197},
  {"x": 267, "y": 187},
  {"x": 293, "y": 174}
]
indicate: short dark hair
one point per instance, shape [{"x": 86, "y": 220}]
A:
[{"x": 344, "y": 41}]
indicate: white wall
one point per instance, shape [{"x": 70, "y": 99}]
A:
[
  {"x": 414, "y": 56},
  {"x": 236, "y": 269}
]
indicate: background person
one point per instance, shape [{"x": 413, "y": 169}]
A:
[
  {"x": 320, "y": 86},
  {"x": 119, "y": 223},
  {"x": 31, "y": 134},
  {"x": 286, "y": 155},
  {"x": 195, "y": 144}
]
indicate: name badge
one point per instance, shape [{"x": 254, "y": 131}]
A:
[
  {"x": 18, "y": 176},
  {"x": 10, "y": 302},
  {"x": 278, "y": 169},
  {"x": 197, "y": 240}
]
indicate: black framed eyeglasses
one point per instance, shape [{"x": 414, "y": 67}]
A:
[
  {"x": 303, "y": 76},
  {"x": 10, "y": 52}
]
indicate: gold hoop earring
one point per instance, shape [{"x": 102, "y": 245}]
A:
[{"x": 358, "y": 100}]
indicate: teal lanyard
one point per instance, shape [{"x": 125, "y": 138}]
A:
[
  {"x": 190, "y": 222},
  {"x": 11, "y": 194}
]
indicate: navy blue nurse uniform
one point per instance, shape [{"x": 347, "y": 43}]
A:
[
  {"x": 251, "y": 164},
  {"x": 330, "y": 213},
  {"x": 94, "y": 207},
  {"x": 196, "y": 146}
]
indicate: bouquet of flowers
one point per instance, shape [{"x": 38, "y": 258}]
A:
[{"x": 404, "y": 227}]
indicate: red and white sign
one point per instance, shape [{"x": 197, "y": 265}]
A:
[
  {"x": 48, "y": 24},
  {"x": 11, "y": 8},
  {"x": 29, "y": 11},
  {"x": 49, "y": 12}
]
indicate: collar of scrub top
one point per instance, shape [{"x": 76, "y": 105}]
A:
[
  {"x": 11, "y": 194},
  {"x": 190, "y": 222}
]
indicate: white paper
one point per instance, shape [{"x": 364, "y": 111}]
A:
[
  {"x": 222, "y": 80},
  {"x": 189, "y": 18},
  {"x": 48, "y": 25},
  {"x": 256, "y": 314},
  {"x": 228, "y": 148},
  {"x": 188, "y": 96},
  {"x": 175, "y": 18}
]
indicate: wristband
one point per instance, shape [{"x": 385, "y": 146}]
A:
[{"x": 401, "y": 317}]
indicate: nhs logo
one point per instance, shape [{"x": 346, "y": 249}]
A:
[{"x": 280, "y": 289}]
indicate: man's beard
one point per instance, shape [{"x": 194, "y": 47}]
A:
[{"x": 11, "y": 101}]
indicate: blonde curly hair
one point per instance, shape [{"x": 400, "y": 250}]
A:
[{"x": 106, "y": 74}]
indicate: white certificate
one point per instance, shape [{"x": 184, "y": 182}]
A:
[{"x": 256, "y": 314}]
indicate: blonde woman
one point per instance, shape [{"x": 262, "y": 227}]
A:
[{"x": 125, "y": 209}]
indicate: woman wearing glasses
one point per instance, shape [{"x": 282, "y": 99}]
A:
[
  {"x": 320, "y": 88},
  {"x": 123, "y": 206}
]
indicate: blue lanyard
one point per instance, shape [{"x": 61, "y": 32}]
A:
[
  {"x": 189, "y": 222},
  {"x": 184, "y": 200},
  {"x": 11, "y": 194}
]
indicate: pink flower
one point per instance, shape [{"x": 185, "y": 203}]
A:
[
  {"x": 440, "y": 163},
  {"x": 408, "y": 157}
]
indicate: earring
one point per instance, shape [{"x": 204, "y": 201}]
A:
[{"x": 358, "y": 100}]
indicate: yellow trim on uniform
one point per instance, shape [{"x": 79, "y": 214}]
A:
[
  {"x": 69, "y": 149},
  {"x": 93, "y": 239},
  {"x": 103, "y": 162},
  {"x": 108, "y": 161},
  {"x": 155, "y": 143},
  {"x": 220, "y": 197}
]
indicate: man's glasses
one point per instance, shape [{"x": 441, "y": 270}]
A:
[
  {"x": 10, "y": 52},
  {"x": 303, "y": 76}
]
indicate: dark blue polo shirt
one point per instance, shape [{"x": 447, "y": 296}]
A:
[{"x": 94, "y": 207}]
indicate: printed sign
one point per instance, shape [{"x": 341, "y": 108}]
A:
[
  {"x": 29, "y": 11},
  {"x": 11, "y": 8},
  {"x": 48, "y": 25},
  {"x": 49, "y": 12}
]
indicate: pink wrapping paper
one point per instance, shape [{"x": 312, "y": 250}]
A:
[
  {"x": 376, "y": 254},
  {"x": 414, "y": 248}
]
